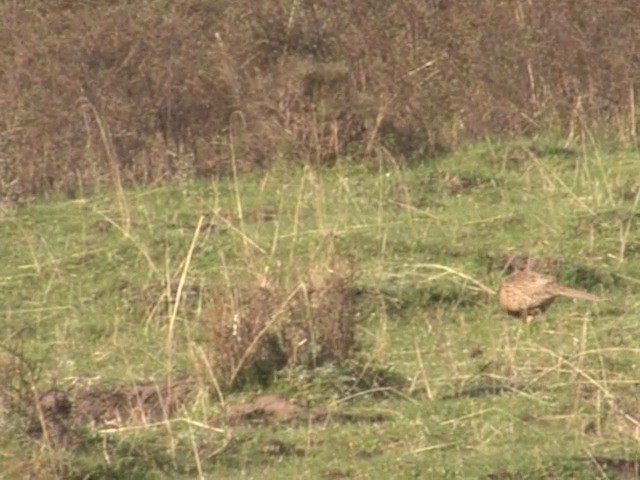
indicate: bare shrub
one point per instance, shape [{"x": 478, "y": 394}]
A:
[{"x": 198, "y": 88}]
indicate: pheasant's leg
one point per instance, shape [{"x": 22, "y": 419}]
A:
[
  {"x": 531, "y": 314},
  {"x": 525, "y": 316}
]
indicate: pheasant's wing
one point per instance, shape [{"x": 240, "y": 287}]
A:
[
  {"x": 538, "y": 284},
  {"x": 542, "y": 290}
]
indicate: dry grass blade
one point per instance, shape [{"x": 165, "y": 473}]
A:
[
  {"x": 183, "y": 277},
  {"x": 459, "y": 274},
  {"x": 562, "y": 360},
  {"x": 252, "y": 346}
]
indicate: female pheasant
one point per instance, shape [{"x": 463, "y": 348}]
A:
[{"x": 526, "y": 293}]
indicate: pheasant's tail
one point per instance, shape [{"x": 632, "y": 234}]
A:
[{"x": 573, "y": 293}]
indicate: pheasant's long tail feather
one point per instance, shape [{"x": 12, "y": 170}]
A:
[{"x": 573, "y": 293}]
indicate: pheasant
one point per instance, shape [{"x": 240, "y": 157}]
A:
[{"x": 526, "y": 293}]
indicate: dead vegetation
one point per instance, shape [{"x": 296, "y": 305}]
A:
[
  {"x": 113, "y": 92},
  {"x": 257, "y": 330}
]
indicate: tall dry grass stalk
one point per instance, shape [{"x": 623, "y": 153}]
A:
[
  {"x": 113, "y": 162},
  {"x": 178, "y": 296}
]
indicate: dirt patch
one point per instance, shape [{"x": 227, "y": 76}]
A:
[
  {"x": 268, "y": 409},
  {"x": 50, "y": 418},
  {"x": 57, "y": 414},
  {"x": 140, "y": 404},
  {"x": 265, "y": 409}
]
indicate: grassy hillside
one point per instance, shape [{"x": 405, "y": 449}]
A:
[{"x": 107, "y": 299}]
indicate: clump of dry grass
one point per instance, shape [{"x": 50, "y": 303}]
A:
[{"x": 259, "y": 329}]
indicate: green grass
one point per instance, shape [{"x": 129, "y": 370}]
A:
[{"x": 471, "y": 393}]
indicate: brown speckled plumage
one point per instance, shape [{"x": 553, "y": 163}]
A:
[{"x": 526, "y": 293}]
